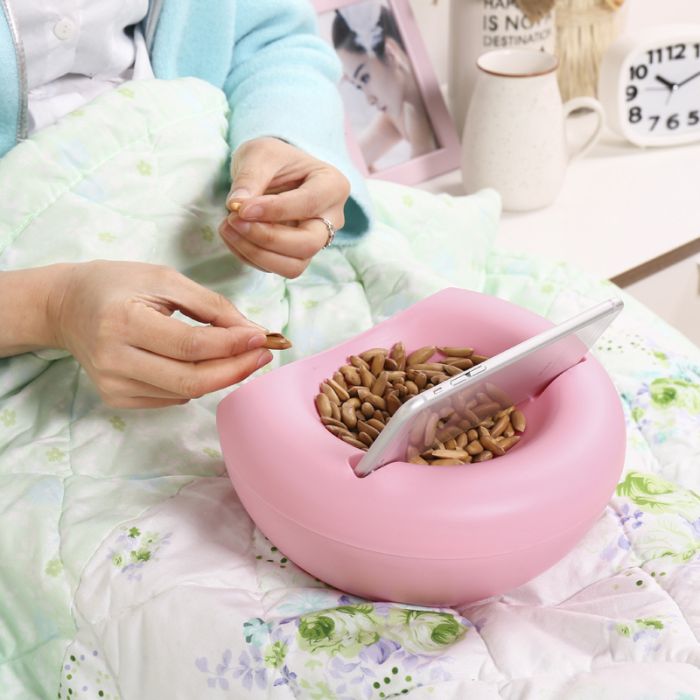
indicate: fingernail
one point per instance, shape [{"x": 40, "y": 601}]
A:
[
  {"x": 240, "y": 226},
  {"x": 229, "y": 234},
  {"x": 264, "y": 358},
  {"x": 240, "y": 193},
  {"x": 256, "y": 341},
  {"x": 254, "y": 212}
]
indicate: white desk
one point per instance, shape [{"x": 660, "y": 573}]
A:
[{"x": 627, "y": 214}]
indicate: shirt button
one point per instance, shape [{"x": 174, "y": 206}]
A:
[{"x": 64, "y": 29}]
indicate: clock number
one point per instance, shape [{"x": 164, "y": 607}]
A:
[
  {"x": 655, "y": 120},
  {"x": 639, "y": 72},
  {"x": 679, "y": 52},
  {"x": 693, "y": 117},
  {"x": 697, "y": 50},
  {"x": 658, "y": 53},
  {"x": 674, "y": 52},
  {"x": 635, "y": 115},
  {"x": 672, "y": 122},
  {"x": 631, "y": 92}
]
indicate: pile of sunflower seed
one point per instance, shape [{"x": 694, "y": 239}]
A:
[{"x": 356, "y": 403}]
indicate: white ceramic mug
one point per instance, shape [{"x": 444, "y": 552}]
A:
[{"x": 515, "y": 133}]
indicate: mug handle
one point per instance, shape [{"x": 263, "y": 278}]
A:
[{"x": 595, "y": 106}]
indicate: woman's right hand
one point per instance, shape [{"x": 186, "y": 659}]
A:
[{"x": 115, "y": 319}]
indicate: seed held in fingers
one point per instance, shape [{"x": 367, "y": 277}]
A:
[{"x": 276, "y": 341}]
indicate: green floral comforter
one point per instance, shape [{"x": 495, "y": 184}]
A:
[{"x": 129, "y": 567}]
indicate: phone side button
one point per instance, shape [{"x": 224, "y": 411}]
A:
[
  {"x": 476, "y": 370},
  {"x": 459, "y": 380}
]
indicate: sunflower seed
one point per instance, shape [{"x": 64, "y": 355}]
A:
[
  {"x": 379, "y": 384},
  {"x": 367, "y": 428},
  {"x": 474, "y": 447},
  {"x": 456, "y": 352},
  {"x": 366, "y": 377},
  {"x": 500, "y": 426},
  {"x": 421, "y": 355},
  {"x": 517, "y": 418},
  {"x": 398, "y": 354},
  {"x": 357, "y": 361},
  {"x": 365, "y": 438},
  {"x": 352, "y": 376},
  {"x": 276, "y": 341},
  {"x": 347, "y": 411},
  {"x": 340, "y": 392},
  {"x": 338, "y": 432},
  {"x": 491, "y": 445},
  {"x": 323, "y": 406},
  {"x": 352, "y": 441},
  {"x": 377, "y": 363},
  {"x": 509, "y": 442}
]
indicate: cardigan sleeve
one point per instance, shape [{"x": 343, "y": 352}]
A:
[{"x": 283, "y": 83}]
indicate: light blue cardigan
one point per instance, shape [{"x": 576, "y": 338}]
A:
[{"x": 279, "y": 76}]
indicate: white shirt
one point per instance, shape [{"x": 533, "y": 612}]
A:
[{"x": 76, "y": 49}]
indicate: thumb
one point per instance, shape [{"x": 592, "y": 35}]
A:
[{"x": 251, "y": 173}]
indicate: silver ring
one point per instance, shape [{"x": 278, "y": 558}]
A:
[{"x": 331, "y": 230}]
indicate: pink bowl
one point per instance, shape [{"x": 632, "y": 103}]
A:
[{"x": 419, "y": 534}]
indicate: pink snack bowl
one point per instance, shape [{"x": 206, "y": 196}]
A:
[{"x": 425, "y": 535}]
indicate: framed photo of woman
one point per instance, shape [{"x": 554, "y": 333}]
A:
[{"x": 397, "y": 123}]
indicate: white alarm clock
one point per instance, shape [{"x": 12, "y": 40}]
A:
[{"x": 649, "y": 84}]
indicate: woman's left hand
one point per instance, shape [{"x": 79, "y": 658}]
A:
[{"x": 282, "y": 192}]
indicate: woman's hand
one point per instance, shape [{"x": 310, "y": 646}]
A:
[
  {"x": 281, "y": 190},
  {"x": 115, "y": 318}
]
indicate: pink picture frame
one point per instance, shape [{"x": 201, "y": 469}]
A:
[{"x": 404, "y": 163}]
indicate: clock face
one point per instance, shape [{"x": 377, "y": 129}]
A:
[{"x": 662, "y": 91}]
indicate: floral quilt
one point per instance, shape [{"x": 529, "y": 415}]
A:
[{"x": 129, "y": 568}]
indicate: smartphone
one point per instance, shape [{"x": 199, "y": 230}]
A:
[{"x": 511, "y": 377}]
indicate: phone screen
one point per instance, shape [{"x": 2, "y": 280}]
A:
[{"x": 462, "y": 402}]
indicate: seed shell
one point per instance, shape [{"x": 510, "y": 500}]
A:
[{"x": 276, "y": 341}]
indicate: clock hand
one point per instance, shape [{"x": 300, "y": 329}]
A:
[
  {"x": 687, "y": 80},
  {"x": 667, "y": 83}
]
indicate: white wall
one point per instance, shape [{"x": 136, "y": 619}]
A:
[{"x": 432, "y": 19}]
